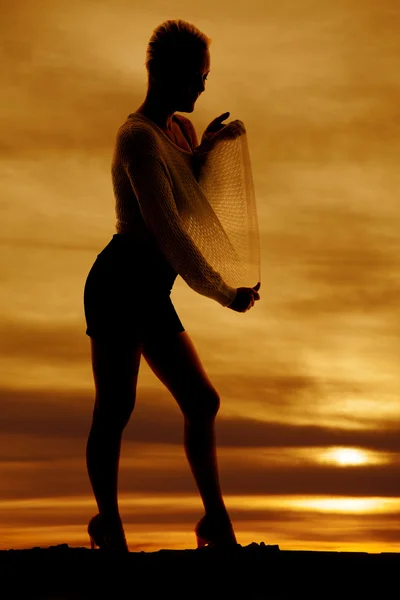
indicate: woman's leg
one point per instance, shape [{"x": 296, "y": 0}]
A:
[
  {"x": 176, "y": 363},
  {"x": 115, "y": 370}
]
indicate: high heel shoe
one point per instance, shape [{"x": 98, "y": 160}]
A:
[
  {"x": 107, "y": 536},
  {"x": 214, "y": 533}
]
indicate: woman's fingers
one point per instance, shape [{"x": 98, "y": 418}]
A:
[
  {"x": 255, "y": 291},
  {"x": 221, "y": 117},
  {"x": 217, "y": 122}
]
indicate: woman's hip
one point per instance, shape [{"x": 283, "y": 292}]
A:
[{"x": 124, "y": 267}]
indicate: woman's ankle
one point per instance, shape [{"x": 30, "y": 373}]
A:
[
  {"x": 111, "y": 518},
  {"x": 220, "y": 515}
]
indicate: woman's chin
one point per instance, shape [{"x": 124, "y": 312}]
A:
[{"x": 186, "y": 106}]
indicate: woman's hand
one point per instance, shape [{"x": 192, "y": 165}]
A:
[
  {"x": 245, "y": 298},
  {"x": 214, "y": 126}
]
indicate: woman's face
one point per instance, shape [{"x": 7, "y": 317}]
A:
[
  {"x": 192, "y": 80},
  {"x": 187, "y": 82}
]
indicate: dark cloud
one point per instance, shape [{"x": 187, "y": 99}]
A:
[
  {"x": 40, "y": 341},
  {"x": 45, "y": 432},
  {"x": 67, "y": 414},
  {"x": 288, "y": 394},
  {"x": 157, "y": 419},
  {"x": 246, "y": 477}
]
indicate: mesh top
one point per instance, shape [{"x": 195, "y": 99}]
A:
[{"x": 198, "y": 207}]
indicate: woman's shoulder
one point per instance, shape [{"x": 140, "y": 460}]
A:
[{"x": 137, "y": 134}]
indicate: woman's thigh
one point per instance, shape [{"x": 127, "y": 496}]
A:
[
  {"x": 115, "y": 366},
  {"x": 176, "y": 363}
]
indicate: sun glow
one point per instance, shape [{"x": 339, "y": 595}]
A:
[
  {"x": 350, "y": 456},
  {"x": 346, "y": 505}
]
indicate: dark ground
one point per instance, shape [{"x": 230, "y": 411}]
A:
[{"x": 252, "y": 572}]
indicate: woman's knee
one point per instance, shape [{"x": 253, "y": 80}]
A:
[
  {"x": 201, "y": 405},
  {"x": 113, "y": 411}
]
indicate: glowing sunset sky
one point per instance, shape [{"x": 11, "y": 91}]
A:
[{"x": 308, "y": 432}]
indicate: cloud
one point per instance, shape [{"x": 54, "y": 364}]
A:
[
  {"x": 62, "y": 478},
  {"x": 317, "y": 89},
  {"x": 60, "y": 97},
  {"x": 55, "y": 414},
  {"x": 40, "y": 342}
]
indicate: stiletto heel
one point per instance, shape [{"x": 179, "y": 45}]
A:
[
  {"x": 107, "y": 536},
  {"x": 200, "y": 542},
  {"x": 214, "y": 533}
]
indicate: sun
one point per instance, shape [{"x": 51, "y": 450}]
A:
[{"x": 346, "y": 456}]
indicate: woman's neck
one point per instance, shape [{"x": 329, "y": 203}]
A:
[{"x": 157, "y": 111}]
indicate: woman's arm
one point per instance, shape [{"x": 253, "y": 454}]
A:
[{"x": 152, "y": 186}]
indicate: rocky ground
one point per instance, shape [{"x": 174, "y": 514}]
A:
[{"x": 252, "y": 572}]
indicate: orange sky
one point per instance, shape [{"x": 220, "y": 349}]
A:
[{"x": 310, "y": 371}]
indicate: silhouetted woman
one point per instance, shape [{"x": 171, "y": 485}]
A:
[{"x": 127, "y": 301}]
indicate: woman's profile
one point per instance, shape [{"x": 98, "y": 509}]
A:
[{"x": 127, "y": 302}]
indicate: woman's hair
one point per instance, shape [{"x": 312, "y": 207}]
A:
[{"x": 172, "y": 42}]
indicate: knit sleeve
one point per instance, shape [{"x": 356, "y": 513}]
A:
[{"x": 152, "y": 186}]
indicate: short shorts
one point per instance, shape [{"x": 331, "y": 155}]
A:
[{"x": 127, "y": 293}]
